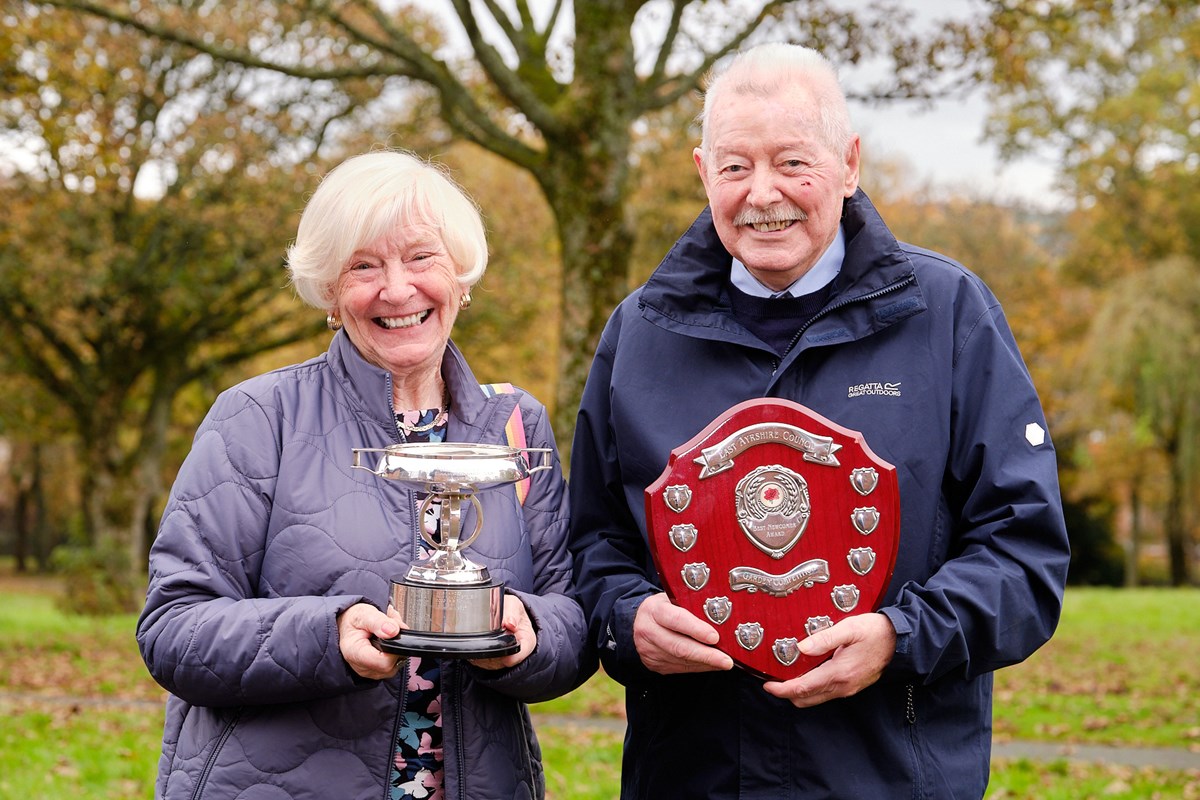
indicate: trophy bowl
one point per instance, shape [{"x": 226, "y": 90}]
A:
[{"x": 449, "y": 606}]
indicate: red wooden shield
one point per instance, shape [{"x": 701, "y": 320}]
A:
[{"x": 774, "y": 523}]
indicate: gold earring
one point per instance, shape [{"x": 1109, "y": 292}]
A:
[
  {"x": 464, "y": 302},
  {"x": 333, "y": 321}
]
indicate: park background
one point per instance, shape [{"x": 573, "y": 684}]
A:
[{"x": 155, "y": 156}]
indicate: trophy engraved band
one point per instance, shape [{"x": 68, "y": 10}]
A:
[
  {"x": 449, "y": 606},
  {"x": 774, "y": 523}
]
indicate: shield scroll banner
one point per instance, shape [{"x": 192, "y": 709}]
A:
[{"x": 774, "y": 523}]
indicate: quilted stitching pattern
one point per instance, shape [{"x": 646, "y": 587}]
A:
[{"x": 269, "y": 534}]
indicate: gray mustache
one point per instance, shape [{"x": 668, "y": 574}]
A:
[{"x": 757, "y": 217}]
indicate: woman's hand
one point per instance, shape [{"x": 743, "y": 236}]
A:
[
  {"x": 515, "y": 621},
  {"x": 356, "y": 625}
]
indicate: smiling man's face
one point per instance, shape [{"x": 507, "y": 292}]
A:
[{"x": 775, "y": 185}]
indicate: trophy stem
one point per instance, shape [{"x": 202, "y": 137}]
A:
[
  {"x": 446, "y": 563},
  {"x": 450, "y": 520},
  {"x": 448, "y": 606}
]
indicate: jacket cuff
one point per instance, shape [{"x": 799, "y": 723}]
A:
[
  {"x": 901, "y": 659},
  {"x": 618, "y": 653}
]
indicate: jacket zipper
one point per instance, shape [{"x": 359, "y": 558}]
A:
[
  {"x": 460, "y": 755},
  {"x": 212, "y": 757},
  {"x": 830, "y": 309},
  {"x": 391, "y": 763},
  {"x": 910, "y": 716}
]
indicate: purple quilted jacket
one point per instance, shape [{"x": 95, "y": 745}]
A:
[{"x": 269, "y": 534}]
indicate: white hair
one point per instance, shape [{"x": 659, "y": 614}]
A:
[
  {"x": 365, "y": 197},
  {"x": 767, "y": 69}
]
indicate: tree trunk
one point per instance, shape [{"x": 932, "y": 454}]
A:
[
  {"x": 597, "y": 243},
  {"x": 97, "y": 573},
  {"x": 1176, "y": 530},
  {"x": 45, "y": 539},
  {"x": 21, "y": 528},
  {"x": 147, "y": 481},
  {"x": 1133, "y": 549},
  {"x": 31, "y": 543},
  {"x": 586, "y": 182},
  {"x": 1129, "y": 521}
]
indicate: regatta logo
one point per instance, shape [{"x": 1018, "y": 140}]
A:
[{"x": 874, "y": 388}]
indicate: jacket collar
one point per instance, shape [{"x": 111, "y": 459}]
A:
[
  {"x": 689, "y": 285},
  {"x": 370, "y": 387}
]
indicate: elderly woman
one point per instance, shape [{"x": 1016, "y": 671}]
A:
[{"x": 271, "y": 572}]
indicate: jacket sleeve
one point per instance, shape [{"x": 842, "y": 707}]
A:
[
  {"x": 563, "y": 658},
  {"x": 613, "y": 566},
  {"x": 206, "y": 634},
  {"x": 998, "y": 595}
]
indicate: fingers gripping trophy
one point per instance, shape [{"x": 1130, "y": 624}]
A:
[{"x": 449, "y": 606}]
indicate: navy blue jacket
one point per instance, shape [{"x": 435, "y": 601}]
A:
[{"x": 913, "y": 351}]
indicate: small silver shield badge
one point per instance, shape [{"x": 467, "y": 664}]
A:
[
  {"x": 677, "y": 498},
  {"x": 749, "y": 635},
  {"x": 717, "y": 609},
  {"x": 861, "y": 559},
  {"x": 845, "y": 597},
  {"x": 815, "y": 624},
  {"x": 865, "y": 520},
  {"x": 695, "y": 575},
  {"x": 864, "y": 480},
  {"x": 683, "y": 537},
  {"x": 786, "y": 650}
]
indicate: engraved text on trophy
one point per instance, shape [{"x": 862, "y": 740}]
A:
[
  {"x": 815, "y": 570},
  {"x": 816, "y": 449},
  {"x": 772, "y": 508}
]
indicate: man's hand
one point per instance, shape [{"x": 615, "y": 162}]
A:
[
  {"x": 515, "y": 621},
  {"x": 355, "y": 627},
  {"x": 670, "y": 639},
  {"x": 861, "y": 645}
]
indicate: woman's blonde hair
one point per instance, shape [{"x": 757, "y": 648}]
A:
[{"x": 365, "y": 197}]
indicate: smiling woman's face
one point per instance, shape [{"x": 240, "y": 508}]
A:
[{"x": 398, "y": 298}]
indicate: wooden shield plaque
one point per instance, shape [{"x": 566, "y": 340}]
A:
[{"x": 774, "y": 523}]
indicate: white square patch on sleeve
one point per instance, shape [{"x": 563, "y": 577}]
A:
[{"x": 1035, "y": 434}]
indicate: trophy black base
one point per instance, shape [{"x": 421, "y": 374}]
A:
[
  {"x": 445, "y": 645},
  {"x": 449, "y": 620}
]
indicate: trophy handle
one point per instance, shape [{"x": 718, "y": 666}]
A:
[
  {"x": 538, "y": 458},
  {"x": 358, "y": 456}
]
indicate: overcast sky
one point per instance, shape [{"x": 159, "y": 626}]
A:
[{"x": 944, "y": 147}]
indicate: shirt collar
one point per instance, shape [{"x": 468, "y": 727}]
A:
[{"x": 821, "y": 273}]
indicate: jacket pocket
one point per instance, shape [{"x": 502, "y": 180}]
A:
[{"x": 210, "y": 762}]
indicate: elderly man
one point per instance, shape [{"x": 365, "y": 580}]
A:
[{"x": 791, "y": 286}]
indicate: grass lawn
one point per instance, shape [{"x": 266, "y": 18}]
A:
[
  {"x": 1122, "y": 669},
  {"x": 83, "y": 720}
]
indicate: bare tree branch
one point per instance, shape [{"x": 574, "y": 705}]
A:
[{"x": 508, "y": 82}]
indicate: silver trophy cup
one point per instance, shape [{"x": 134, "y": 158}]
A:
[{"x": 449, "y": 606}]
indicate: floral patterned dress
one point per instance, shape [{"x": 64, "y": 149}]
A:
[{"x": 417, "y": 766}]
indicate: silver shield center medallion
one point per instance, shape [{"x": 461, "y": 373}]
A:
[{"x": 772, "y": 507}]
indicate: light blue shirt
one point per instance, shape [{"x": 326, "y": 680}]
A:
[{"x": 822, "y": 272}]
